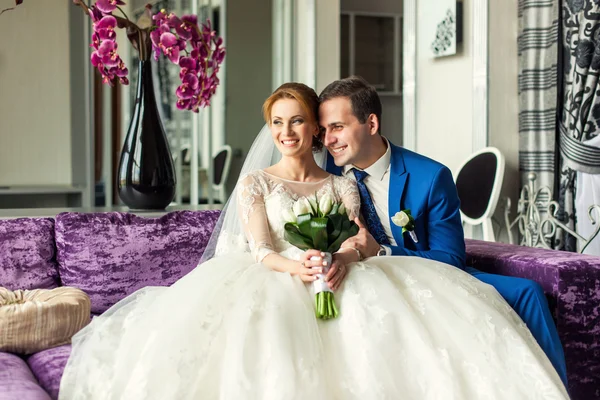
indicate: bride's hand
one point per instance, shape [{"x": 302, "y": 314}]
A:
[{"x": 307, "y": 268}]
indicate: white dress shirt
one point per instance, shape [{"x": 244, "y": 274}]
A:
[{"x": 378, "y": 185}]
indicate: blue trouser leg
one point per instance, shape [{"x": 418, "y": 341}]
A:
[{"x": 527, "y": 298}]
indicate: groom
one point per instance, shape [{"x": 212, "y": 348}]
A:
[{"x": 391, "y": 179}]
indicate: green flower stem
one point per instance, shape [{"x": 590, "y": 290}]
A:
[
  {"x": 321, "y": 305},
  {"x": 325, "y": 307},
  {"x": 123, "y": 12},
  {"x": 335, "y": 310}
]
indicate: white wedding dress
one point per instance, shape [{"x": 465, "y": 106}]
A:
[{"x": 233, "y": 329}]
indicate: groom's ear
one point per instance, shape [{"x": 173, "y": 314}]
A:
[{"x": 373, "y": 123}]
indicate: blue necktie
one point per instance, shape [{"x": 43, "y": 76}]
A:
[{"x": 367, "y": 209}]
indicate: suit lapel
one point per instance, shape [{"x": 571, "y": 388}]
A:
[
  {"x": 331, "y": 167},
  {"x": 398, "y": 176}
]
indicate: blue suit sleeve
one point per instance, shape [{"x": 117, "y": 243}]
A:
[{"x": 444, "y": 226}]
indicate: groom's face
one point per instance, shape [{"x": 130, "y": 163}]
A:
[{"x": 344, "y": 136}]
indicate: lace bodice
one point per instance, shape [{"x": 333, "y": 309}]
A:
[{"x": 262, "y": 199}]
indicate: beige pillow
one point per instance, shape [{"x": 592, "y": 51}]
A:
[{"x": 34, "y": 320}]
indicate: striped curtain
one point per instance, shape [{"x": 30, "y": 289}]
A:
[{"x": 538, "y": 50}]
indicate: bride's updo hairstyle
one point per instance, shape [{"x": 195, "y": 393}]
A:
[{"x": 304, "y": 95}]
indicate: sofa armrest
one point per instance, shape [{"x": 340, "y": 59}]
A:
[{"x": 572, "y": 281}]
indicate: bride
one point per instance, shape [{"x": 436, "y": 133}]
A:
[{"x": 242, "y": 324}]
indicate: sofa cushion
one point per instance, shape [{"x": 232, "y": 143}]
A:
[
  {"x": 48, "y": 367},
  {"x": 17, "y": 381},
  {"x": 27, "y": 254},
  {"x": 111, "y": 255},
  {"x": 34, "y": 320}
]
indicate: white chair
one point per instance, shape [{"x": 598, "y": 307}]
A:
[{"x": 478, "y": 182}]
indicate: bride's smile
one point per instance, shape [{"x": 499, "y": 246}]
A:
[{"x": 291, "y": 128}]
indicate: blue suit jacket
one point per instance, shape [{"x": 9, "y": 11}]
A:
[{"x": 426, "y": 188}]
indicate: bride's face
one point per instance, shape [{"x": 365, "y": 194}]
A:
[{"x": 291, "y": 128}]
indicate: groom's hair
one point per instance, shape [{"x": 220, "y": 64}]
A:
[
  {"x": 308, "y": 99},
  {"x": 363, "y": 97}
]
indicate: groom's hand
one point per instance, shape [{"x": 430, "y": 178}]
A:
[{"x": 363, "y": 241}]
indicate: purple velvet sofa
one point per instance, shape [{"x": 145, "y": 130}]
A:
[{"x": 111, "y": 255}]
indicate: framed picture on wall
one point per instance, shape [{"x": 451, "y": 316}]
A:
[{"x": 443, "y": 19}]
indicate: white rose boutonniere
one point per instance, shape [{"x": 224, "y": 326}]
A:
[{"x": 406, "y": 221}]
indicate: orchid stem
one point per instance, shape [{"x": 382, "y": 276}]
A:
[
  {"x": 83, "y": 5},
  {"x": 123, "y": 12},
  {"x": 142, "y": 46},
  {"x": 6, "y": 9}
]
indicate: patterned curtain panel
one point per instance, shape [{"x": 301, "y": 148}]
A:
[
  {"x": 538, "y": 49},
  {"x": 580, "y": 121}
]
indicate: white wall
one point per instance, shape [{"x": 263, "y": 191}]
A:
[
  {"x": 503, "y": 92},
  {"x": 444, "y": 99},
  {"x": 35, "y": 119},
  {"x": 444, "y": 92}
]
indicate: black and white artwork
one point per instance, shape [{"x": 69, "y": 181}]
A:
[{"x": 439, "y": 18}]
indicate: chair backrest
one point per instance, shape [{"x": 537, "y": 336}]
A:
[
  {"x": 221, "y": 165},
  {"x": 478, "y": 182}
]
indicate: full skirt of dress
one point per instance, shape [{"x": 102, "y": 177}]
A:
[{"x": 409, "y": 328}]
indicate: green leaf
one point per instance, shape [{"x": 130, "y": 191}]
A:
[
  {"x": 318, "y": 227},
  {"x": 296, "y": 238},
  {"x": 314, "y": 207},
  {"x": 305, "y": 228},
  {"x": 349, "y": 229},
  {"x": 334, "y": 225},
  {"x": 319, "y": 213},
  {"x": 303, "y": 217},
  {"x": 410, "y": 226}
]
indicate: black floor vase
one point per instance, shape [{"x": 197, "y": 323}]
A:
[{"x": 146, "y": 178}]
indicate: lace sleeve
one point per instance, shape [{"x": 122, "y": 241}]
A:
[
  {"x": 348, "y": 194},
  {"x": 251, "y": 209}
]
